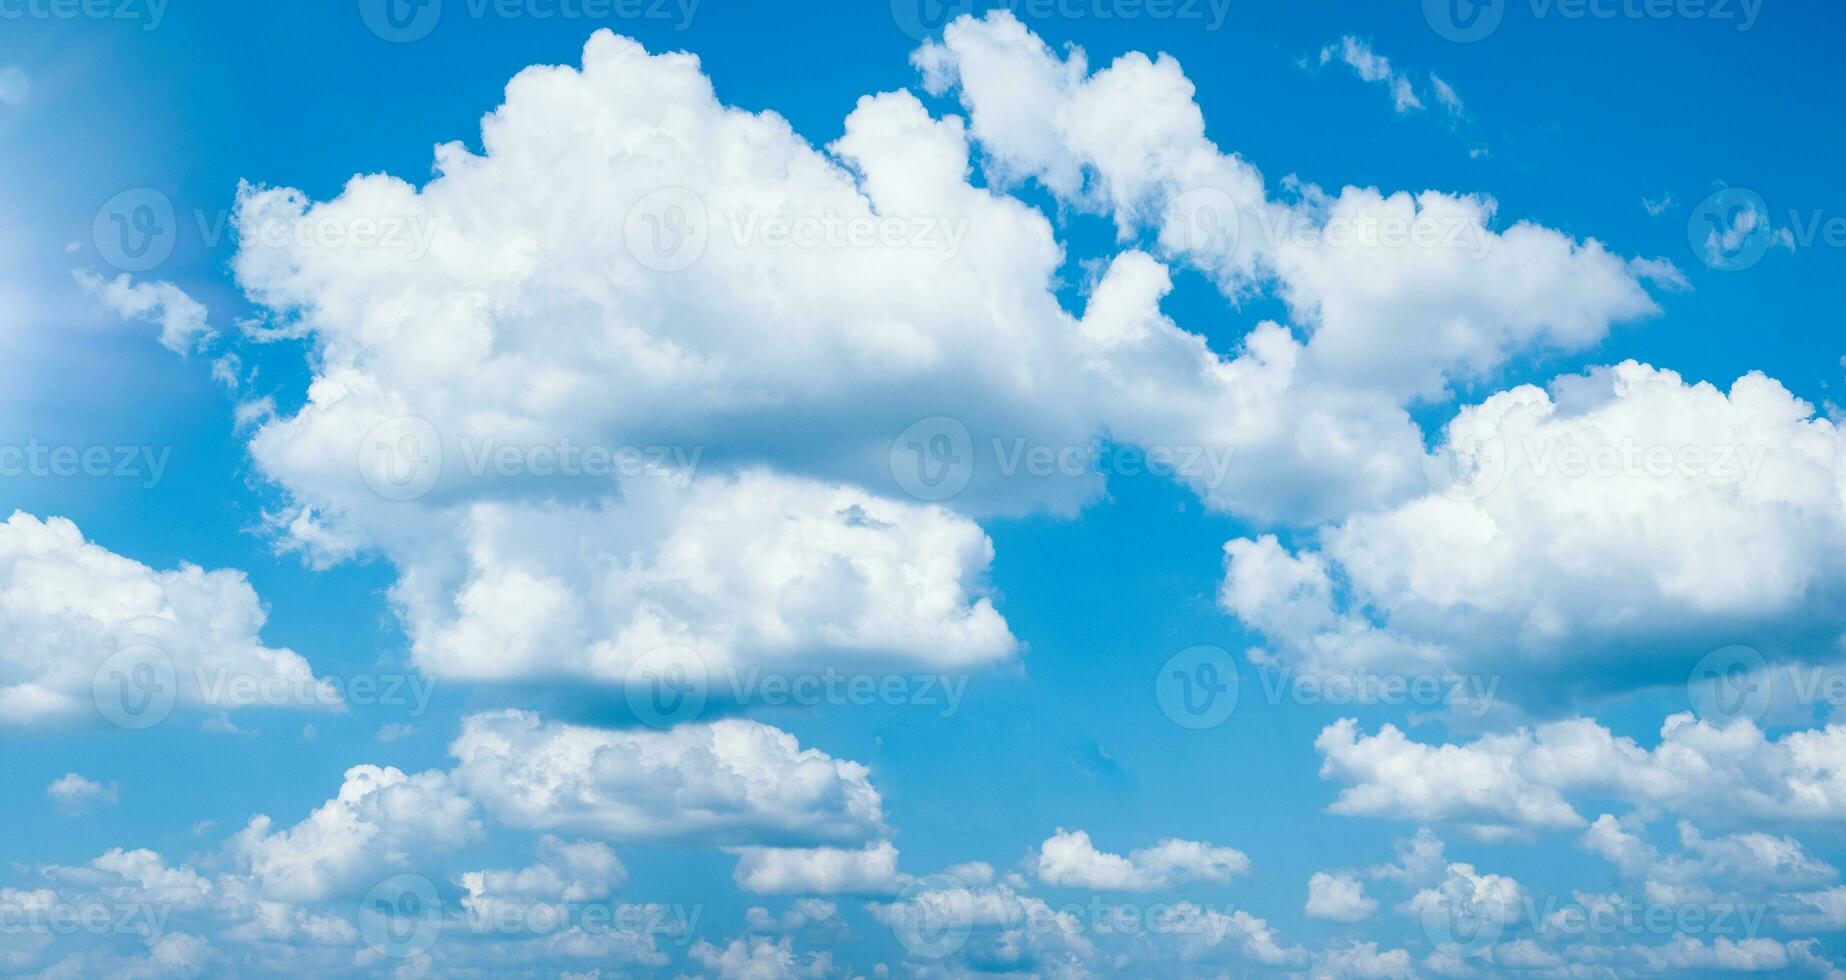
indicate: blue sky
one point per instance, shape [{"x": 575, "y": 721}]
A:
[{"x": 1601, "y": 183}]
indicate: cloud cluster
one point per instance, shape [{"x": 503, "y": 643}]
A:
[{"x": 90, "y": 634}]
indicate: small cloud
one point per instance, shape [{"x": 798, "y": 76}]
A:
[
  {"x": 1445, "y": 94},
  {"x": 1661, "y": 272},
  {"x": 394, "y": 731},
  {"x": 74, "y": 794},
  {"x": 14, "y": 86},
  {"x": 223, "y": 725},
  {"x": 1656, "y": 208},
  {"x": 1373, "y": 67},
  {"x": 181, "y": 318},
  {"x": 203, "y": 827}
]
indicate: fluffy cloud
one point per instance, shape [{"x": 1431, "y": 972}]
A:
[
  {"x": 1338, "y": 897},
  {"x": 566, "y": 872},
  {"x": 1363, "y": 959},
  {"x": 628, "y": 264},
  {"x": 819, "y": 871},
  {"x": 381, "y": 821},
  {"x": 760, "y": 958},
  {"x": 88, "y": 631},
  {"x": 74, "y": 794},
  {"x": 738, "y": 570},
  {"x": 182, "y": 319},
  {"x": 1400, "y": 292},
  {"x": 1068, "y": 858},
  {"x": 1581, "y": 531},
  {"x": 725, "y": 782},
  {"x": 1522, "y": 780}
]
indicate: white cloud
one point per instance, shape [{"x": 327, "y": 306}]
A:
[
  {"x": 760, "y": 958},
  {"x": 1401, "y": 292},
  {"x": 1338, "y": 897},
  {"x": 726, "y": 782},
  {"x": 74, "y": 794},
  {"x": 1523, "y": 779},
  {"x": 1068, "y": 858},
  {"x": 1581, "y": 541},
  {"x": 1465, "y": 895},
  {"x": 819, "y": 871},
  {"x": 741, "y": 570},
  {"x": 1731, "y": 868},
  {"x": 1371, "y": 66},
  {"x": 1446, "y": 95},
  {"x": 382, "y": 821},
  {"x": 85, "y": 626},
  {"x": 1363, "y": 960},
  {"x": 182, "y": 319}
]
